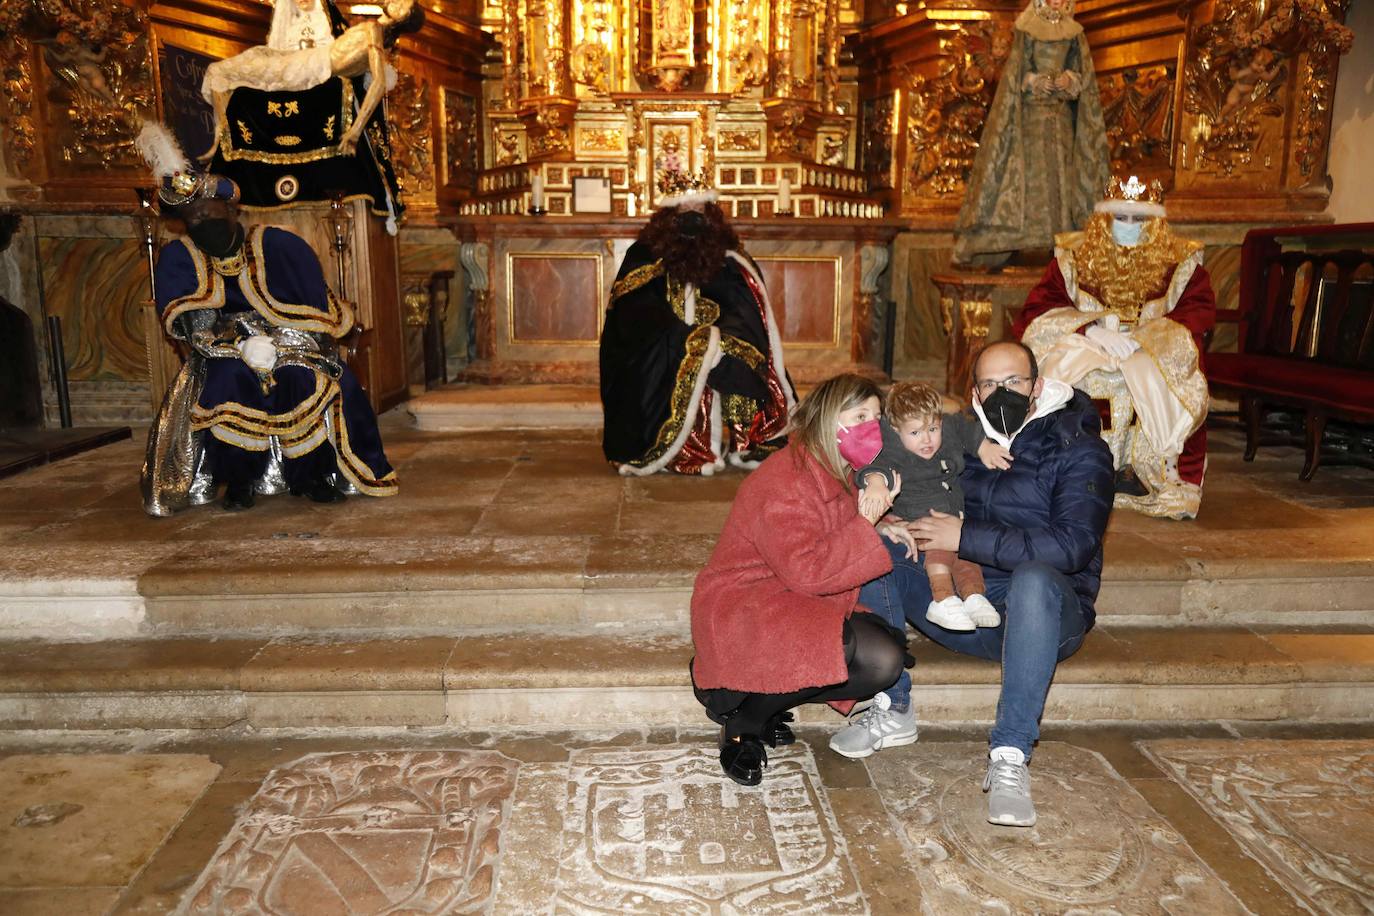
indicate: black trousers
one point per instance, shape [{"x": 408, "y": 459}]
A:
[{"x": 874, "y": 654}]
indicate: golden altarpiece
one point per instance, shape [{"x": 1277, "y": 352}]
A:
[{"x": 839, "y": 133}]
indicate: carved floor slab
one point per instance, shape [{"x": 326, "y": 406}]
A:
[
  {"x": 360, "y": 833},
  {"x": 660, "y": 831},
  {"x": 1097, "y": 847},
  {"x": 1303, "y": 809}
]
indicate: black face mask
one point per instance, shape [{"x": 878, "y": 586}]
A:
[
  {"x": 216, "y": 237},
  {"x": 1006, "y": 410}
]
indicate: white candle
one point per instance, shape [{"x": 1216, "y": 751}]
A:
[
  {"x": 784, "y": 195},
  {"x": 537, "y": 192},
  {"x": 630, "y": 202}
]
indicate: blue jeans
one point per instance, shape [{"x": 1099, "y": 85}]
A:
[{"x": 1042, "y": 624}]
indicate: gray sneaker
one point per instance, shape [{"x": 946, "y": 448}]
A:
[
  {"x": 1008, "y": 788},
  {"x": 875, "y": 728}
]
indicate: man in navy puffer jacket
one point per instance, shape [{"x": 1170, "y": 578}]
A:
[{"x": 1037, "y": 530}]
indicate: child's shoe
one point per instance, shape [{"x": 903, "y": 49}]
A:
[
  {"x": 950, "y": 614},
  {"x": 981, "y": 612}
]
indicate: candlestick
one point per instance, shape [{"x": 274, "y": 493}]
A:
[
  {"x": 784, "y": 197},
  {"x": 537, "y": 195}
]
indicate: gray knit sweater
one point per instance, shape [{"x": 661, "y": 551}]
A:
[{"x": 928, "y": 483}]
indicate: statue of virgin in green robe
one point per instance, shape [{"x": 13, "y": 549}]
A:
[{"x": 1042, "y": 161}]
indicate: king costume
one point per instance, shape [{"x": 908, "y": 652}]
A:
[
  {"x": 1157, "y": 296},
  {"x": 309, "y": 410},
  {"x": 263, "y": 401},
  {"x": 691, "y": 377}
]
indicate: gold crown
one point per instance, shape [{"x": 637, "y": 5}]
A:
[
  {"x": 672, "y": 182},
  {"x": 1136, "y": 191}
]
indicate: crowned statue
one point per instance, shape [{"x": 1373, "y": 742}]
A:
[
  {"x": 1042, "y": 159},
  {"x": 692, "y": 372},
  {"x": 1121, "y": 313},
  {"x": 300, "y": 117}
]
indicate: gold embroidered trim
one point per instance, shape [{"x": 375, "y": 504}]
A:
[
  {"x": 208, "y": 294},
  {"x": 742, "y": 350},
  {"x": 336, "y": 321},
  {"x": 325, "y": 152},
  {"x": 683, "y": 386},
  {"x": 738, "y": 410},
  {"x": 1124, "y": 279},
  {"x": 635, "y": 279}
]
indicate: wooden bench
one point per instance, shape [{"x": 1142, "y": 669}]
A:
[{"x": 1306, "y": 331}]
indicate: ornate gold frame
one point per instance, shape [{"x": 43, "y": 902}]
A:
[
  {"x": 512, "y": 340},
  {"x": 838, "y": 261}
]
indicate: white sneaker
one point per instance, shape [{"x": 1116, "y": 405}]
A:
[
  {"x": 950, "y": 614},
  {"x": 875, "y": 728},
  {"x": 1008, "y": 788},
  {"x": 981, "y": 612}
]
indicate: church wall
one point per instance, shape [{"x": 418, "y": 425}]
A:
[{"x": 1352, "y": 133}]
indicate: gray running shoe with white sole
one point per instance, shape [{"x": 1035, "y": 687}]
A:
[
  {"x": 1008, "y": 788},
  {"x": 875, "y": 728}
]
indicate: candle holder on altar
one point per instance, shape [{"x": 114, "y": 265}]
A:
[
  {"x": 783, "y": 207},
  {"x": 338, "y": 226},
  {"x": 537, "y": 207}
]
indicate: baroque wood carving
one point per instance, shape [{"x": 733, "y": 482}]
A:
[
  {"x": 98, "y": 73},
  {"x": 947, "y": 112},
  {"x": 1138, "y": 106},
  {"x": 1240, "y": 67},
  {"x": 412, "y": 140}
]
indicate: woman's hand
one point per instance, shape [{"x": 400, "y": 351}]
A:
[
  {"x": 995, "y": 456},
  {"x": 898, "y": 534},
  {"x": 875, "y": 499}
]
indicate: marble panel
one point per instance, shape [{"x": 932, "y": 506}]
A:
[
  {"x": 659, "y": 830},
  {"x": 555, "y": 298},
  {"x": 91, "y": 820},
  {"x": 1303, "y": 809},
  {"x": 805, "y": 294},
  {"x": 97, "y": 287},
  {"x": 1098, "y": 847},
  {"x": 370, "y": 832}
]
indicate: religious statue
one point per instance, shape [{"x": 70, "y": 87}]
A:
[
  {"x": 263, "y": 402},
  {"x": 287, "y": 123},
  {"x": 1043, "y": 158},
  {"x": 692, "y": 373},
  {"x": 1121, "y": 313}
]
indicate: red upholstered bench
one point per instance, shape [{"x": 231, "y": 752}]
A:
[{"x": 1306, "y": 339}]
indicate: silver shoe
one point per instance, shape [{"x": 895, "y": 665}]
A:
[{"x": 1008, "y": 788}]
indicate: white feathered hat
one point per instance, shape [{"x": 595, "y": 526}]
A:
[{"x": 1133, "y": 197}]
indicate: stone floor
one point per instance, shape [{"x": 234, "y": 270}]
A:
[{"x": 1211, "y": 819}]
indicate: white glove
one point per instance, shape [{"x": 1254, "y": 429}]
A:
[
  {"x": 1117, "y": 344},
  {"x": 258, "y": 352}
]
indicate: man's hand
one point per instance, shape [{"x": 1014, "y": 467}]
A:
[
  {"x": 898, "y": 534},
  {"x": 259, "y": 352},
  {"x": 1116, "y": 344},
  {"x": 995, "y": 456},
  {"x": 875, "y": 500},
  {"x": 937, "y": 531}
]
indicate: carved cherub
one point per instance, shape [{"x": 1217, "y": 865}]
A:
[{"x": 1262, "y": 67}]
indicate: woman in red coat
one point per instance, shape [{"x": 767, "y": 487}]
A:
[{"x": 773, "y": 611}]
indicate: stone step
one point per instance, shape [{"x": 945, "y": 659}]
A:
[
  {"x": 507, "y": 407},
  {"x": 443, "y": 585},
  {"x": 559, "y": 680}
]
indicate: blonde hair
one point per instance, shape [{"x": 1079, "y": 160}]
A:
[
  {"x": 912, "y": 400},
  {"x": 817, "y": 417}
]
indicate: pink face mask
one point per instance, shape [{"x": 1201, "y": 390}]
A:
[{"x": 861, "y": 443}]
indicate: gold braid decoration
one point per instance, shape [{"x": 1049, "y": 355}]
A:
[
  {"x": 742, "y": 350},
  {"x": 738, "y": 410},
  {"x": 635, "y": 279},
  {"x": 687, "y": 371},
  {"x": 1124, "y": 279}
]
